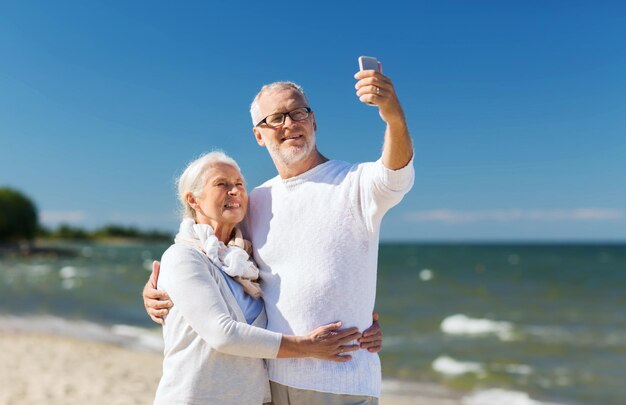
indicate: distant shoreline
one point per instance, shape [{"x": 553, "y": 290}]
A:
[
  {"x": 66, "y": 247},
  {"x": 504, "y": 243},
  {"x": 35, "y": 249}
]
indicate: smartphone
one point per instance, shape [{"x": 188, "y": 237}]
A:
[{"x": 370, "y": 63}]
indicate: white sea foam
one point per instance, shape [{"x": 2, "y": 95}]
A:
[
  {"x": 68, "y": 272},
  {"x": 586, "y": 338},
  {"x": 449, "y": 366},
  {"x": 460, "y": 324},
  {"x": 426, "y": 275},
  {"x": 499, "y": 396}
]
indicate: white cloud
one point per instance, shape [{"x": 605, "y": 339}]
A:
[
  {"x": 509, "y": 215},
  {"x": 58, "y": 217}
]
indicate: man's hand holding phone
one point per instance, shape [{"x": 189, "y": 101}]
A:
[{"x": 376, "y": 89}]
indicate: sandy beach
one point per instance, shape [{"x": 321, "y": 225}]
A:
[
  {"x": 48, "y": 369},
  {"x": 42, "y": 368}
]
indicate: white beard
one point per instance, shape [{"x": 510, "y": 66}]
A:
[{"x": 287, "y": 156}]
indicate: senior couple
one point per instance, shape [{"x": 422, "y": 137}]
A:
[{"x": 295, "y": 282}]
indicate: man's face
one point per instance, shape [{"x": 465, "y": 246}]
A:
[{"x": 292, "y": 141}]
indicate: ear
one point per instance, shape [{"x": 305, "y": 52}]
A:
[
  {"x": 192, "y": 201},
  {"x": 258, "y": 136},
  {"x": 314, "y": 122}
]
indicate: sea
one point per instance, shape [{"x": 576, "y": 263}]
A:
[{"x": 523, "y": 324}]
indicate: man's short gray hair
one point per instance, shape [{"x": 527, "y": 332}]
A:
[
  {"x": 194, "y": 178},
  {"x": 254, "y": 107}
]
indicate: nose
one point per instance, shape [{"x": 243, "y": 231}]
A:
[
  {"x": 291, "y": 121},
  {"x": 234, "y": 190}
]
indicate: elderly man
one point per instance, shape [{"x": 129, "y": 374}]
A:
[{"x": 315, "y": 229}]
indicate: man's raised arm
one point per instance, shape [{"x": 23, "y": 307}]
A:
[{"x": 375, "y": 88}]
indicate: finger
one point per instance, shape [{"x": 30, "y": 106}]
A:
[
  {"x": 157, "y": 320},
  {"x": 376, "y": 80},
  {"x": 332, "y": 331},
  {"x": 375, "y": 349},
  {"x": 156, "y": 295},
  {"x": 348, "y": 338},
  {"x": 154, "y": 276},
  {"x": 370, "y": 343},
  {"x": 375, "y": 90},
  {"x": 370, "y": 99},
  {"x": 372, "y": 84},
  {"x": 343, "y": 333},
  {"x": 362, "y": 74},
  {"x": 160, "y": 313},
  {"x": 371, "y": 338},
  {"x": 373, "y": 330},
  {"x": 158, "y": 304},
  {"x": 347, "y": 348},
  {"x": 332, "y": 326},
  {"x": 341, "y": 358}
]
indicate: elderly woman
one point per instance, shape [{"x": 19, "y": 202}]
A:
[{"x": 214, "y": 334}]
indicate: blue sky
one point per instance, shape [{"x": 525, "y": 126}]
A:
[{"x": 517, "y": 109}]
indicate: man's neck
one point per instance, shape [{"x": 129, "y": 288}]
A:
[{"x": 302, "y": 166}]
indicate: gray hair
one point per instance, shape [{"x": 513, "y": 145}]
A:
[
  {"x": 254, "y": 107},
  {"x": 194, "y": 178}
]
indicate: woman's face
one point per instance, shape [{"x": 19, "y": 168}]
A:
[{"x": 223, "y": 201}]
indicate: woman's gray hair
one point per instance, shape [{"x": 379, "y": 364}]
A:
[
  {"x": 194, "y": 178},
  {"x": 254, "y": 107}
]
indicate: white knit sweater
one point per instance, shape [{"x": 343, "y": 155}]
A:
[
  {"x": 211, "y": 355},
  {"x": 315, "y": 239}
]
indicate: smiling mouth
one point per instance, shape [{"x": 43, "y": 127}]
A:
[
  {"x": 232, "y": 205},
  {"x": 291, "y": 138}
]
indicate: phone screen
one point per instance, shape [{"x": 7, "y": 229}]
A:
[{"x": 368, "y": 63}]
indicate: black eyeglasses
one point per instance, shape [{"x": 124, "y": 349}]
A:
[{"x": 278, "y": 119}]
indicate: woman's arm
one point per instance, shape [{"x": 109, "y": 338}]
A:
[
  {"x": 191, "y": 286},
  {"x": 194, "y": 291},
  {"x": 157, "y": 304}
]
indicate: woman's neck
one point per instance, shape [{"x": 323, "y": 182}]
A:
[{"x": 224, "y": 233}]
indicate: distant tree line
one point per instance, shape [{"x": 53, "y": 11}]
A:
[
  {"x": 18, "y": 216},
  {"x": 19, "y": 222},
  {"x": 65, "y": 231}
]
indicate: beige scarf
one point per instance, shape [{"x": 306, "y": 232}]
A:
[{"x": 233, "y": 259}]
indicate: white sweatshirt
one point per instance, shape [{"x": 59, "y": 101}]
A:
[{"x": 315, "y": 239}]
